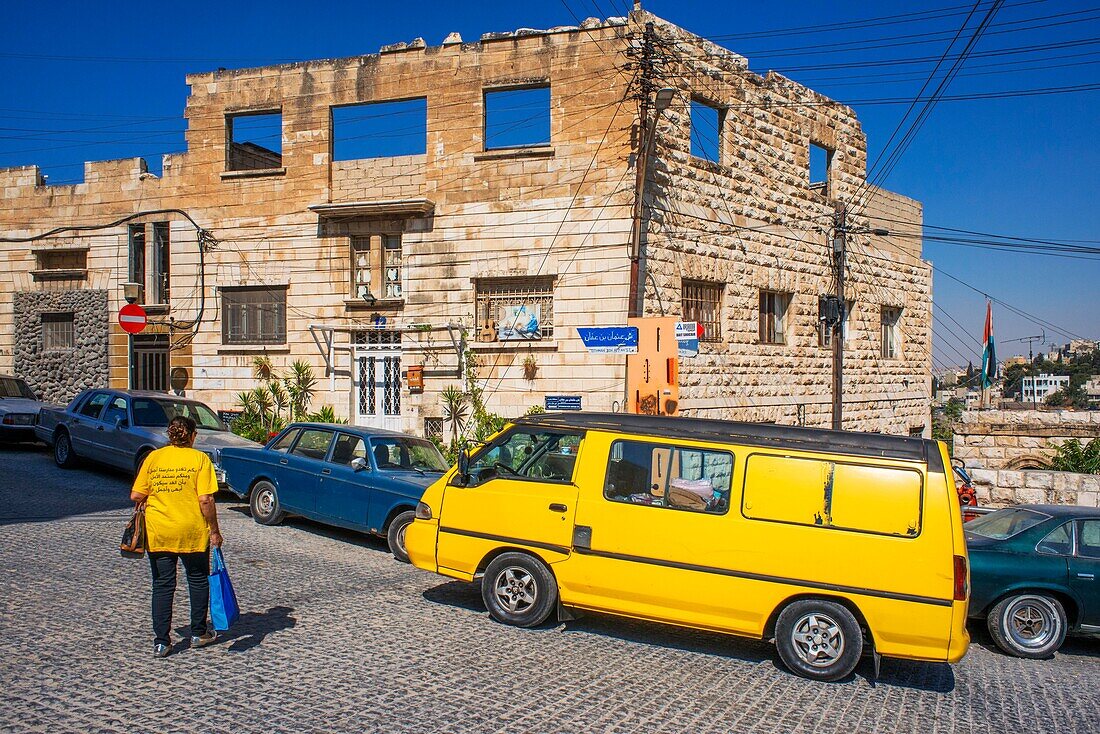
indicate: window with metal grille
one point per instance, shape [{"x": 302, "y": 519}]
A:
[
  {"x": 380, "y": 338},
  {"x": 433, "y": 428},
  {"x": 57, "y": 331},
  {"x": 516, "y": 309},
  {"x": 376, "y": 268},
  {"x": 891, "y": 336},
  {"x": 702, "y": 303},
  {"x": 773, "y": 317},
  {"x": 254, "y": 315}
]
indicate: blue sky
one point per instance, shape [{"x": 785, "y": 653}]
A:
[{"x": 86, "y": 81}]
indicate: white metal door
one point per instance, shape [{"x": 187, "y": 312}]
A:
[{"x": 378, "y": 381}]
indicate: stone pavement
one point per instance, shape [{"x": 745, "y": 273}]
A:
[{"x": 337, "y": 636}]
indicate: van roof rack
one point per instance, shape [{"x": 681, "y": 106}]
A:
[{"x": 771, "y": 435}]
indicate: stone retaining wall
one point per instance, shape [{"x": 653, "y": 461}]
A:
[
  {"x": 1019, "y": 439},
  {"x": 1002, "y": 487}
]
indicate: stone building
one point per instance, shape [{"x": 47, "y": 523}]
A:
[{"x": 503, "y": 225}]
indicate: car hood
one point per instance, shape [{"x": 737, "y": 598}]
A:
[
  {"x": 207, "y": 440},
  {"x": 19, "y": 405},
  {"x": 414, "y": 482}
]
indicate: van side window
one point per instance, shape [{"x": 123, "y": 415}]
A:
[
  {"x": 540, "y": 455},
  {"x": 847, "y": 496},
  {"x": 669, "y": 476}
]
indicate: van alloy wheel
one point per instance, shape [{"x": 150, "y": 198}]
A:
[
  {"x": 516, "y": 589},
  {"x": 519, "y": 589},
  {"x": 818, "y": 640}
]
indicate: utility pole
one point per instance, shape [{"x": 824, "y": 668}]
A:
[
  {"x": 645, "y": 80},
  {"x": 840, "y": 249}
]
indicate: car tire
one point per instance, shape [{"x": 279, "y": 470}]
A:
[
  {"x": 395, "y": 535},
  {"x": 519, "y": 590},
  {"x": 63, "y": 454},
  {"x": 264, "y": 503},
  {"x": 1028, "y": 625},
  {"x": 818, "y": 639}
]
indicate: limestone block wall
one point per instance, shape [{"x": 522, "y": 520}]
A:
[
  {"x": 1003, "y": 487},
  {"x": 1019, "y": 439},
  {"x": 751, "y": 221}
]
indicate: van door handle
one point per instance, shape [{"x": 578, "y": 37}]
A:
[
  {"x": 558, "y": 507},
  {"x": 326, "y": 471},
  {"x": 1089, "y": 576}
]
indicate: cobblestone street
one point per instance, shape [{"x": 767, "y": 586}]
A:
[{"x": 338, "y": 636}]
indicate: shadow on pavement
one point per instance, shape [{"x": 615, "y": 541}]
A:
[
  {"x": 34, "y": 490},
  {"x": 457, "y": 594},
  {"x": 332, "y": 532},
  {"x": 252, "y": 627}
]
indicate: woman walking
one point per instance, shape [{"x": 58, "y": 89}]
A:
[{"x": 177, "y": 484}]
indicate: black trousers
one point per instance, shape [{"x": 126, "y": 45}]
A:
[{"x": 197, "y": 568}]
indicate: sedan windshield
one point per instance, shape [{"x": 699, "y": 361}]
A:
[
  {"x": 1005, "y": 524},
  {"x": 13, "y": 388},
  {"x": 158, "y": 411},
  {"x": 398, "y": 453}
]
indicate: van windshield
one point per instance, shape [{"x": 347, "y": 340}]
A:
[
  {"x": 1004, "y": 524},
  {"x": 528, "y": 453}
]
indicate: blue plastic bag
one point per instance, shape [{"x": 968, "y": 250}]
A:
[{"x": 223, "y": 601}]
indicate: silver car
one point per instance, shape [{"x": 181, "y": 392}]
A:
[
  {"x": 120, "y": 427},
  {"x": 19, "y": 408}
]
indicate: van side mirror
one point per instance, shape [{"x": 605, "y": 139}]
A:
[
  {"x": 359, "y": 464},
  {"x": 463, "y": 475}
]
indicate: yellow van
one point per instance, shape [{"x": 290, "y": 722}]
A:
[{"x": 829, "y": 542}]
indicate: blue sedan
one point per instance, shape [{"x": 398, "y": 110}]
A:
[{"x": 356, "y": 478}]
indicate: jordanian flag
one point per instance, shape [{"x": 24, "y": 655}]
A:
[{"x": 989, "y": 353}]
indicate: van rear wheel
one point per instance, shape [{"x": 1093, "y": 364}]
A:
[
  {"x": 519, "y": 590},
  {"x": 818, "y": 639}
]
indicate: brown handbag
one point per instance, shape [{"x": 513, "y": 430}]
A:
[{"x": 133, "y": 537}]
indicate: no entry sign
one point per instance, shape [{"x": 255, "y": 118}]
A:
[{"x": 132, "y": 318}]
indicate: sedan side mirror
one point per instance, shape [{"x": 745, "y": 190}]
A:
[
  {"x": 359, "y": 464},
  {"x": 121, "y": 422}
]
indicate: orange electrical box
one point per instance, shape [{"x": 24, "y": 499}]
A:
[
  {"x": 415, "y": 378},
  {"x": 653, "y": 374}
]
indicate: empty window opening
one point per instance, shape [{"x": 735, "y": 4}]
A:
[
  {"x": 380, "y": 130},
  {"x": 706, "y": 131},
  {"x": 61, "y": 263},
  {"x": 57, "y": 331},
  {"x": 821, "y": 161},
  {"x": 255, "y": 141},
  {"x": 517, "y": 118},
  {"x": 702, "y": 303},
  {"x": 773, "y": 317}
]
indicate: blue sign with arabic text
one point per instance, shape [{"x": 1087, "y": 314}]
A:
[
  {"x": 610, "y": 339},
  {"x": 563, "y": 402}
]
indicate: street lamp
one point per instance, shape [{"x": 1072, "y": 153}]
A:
[{"x": 132, "y": 292}]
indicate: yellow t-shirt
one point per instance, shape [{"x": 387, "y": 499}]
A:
[{"x": 173, "y": 478}]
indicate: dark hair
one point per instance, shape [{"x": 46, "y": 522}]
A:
[{"x": 180, "y": 430}]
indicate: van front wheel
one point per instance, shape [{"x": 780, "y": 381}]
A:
[
  {"x": 518, "y": 590},
  {"x": 818, "y": 639}
]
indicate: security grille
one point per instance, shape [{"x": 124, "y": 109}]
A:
[
  {"x": 254, "y": 315},
  {"x": 391, "y": 397},
  {"x": 150, "y": 362},
  {"x": 366, "y": 386},
  {"x": 433, "y": 428},
  {"x": 702, "y": 302},
  {"x": 57, "y": 331},
  {"x": 494, "y": 297},
  {"x": 377, "y": 338}
]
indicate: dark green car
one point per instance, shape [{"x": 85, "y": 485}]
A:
[{"x": 1035, "y": 575}]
